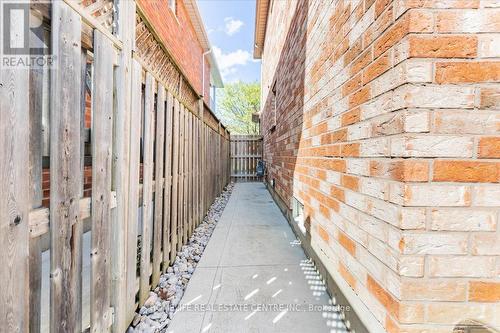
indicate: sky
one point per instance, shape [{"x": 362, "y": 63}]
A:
[{"x": 230, "y": 28}]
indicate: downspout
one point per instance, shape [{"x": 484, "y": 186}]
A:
[{"x": 203, "y": 69}]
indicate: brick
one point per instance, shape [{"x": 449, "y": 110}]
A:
[
  {"x": 350, "y": 182},
  {"x": 487, "y": 196},
  {"x": 350, "y": 117},
  {"x": 432, "y": 146},
  {"x": 361, "y": 62},
  {"x": 391, "y": 326},
  {"x": 359, "y": 131},
  {"x": 464, "y": 122},
  {"x": 406, "y": 171},
  {"x": 347, "y": 243},
  {"x": 350, "y": 150},
  {"x": 433, "y": 243},
  {"x": 359, "y": 97},
  {"x": 323, "y": 234},
  {"x": 377, "y": 67},
  {"x": 489, "y": 147},
  {"x": 466, "y": 171},
  {"x": 434, "y": 96},
  {"x": 334, "y": 137},
  {"x": 467, "y": 72},
  {"x": 485, "y": 244},
  {"x": 482, "y": 291},
  {"x": 433, "y": 290},
  {"x": 374, "y": 147},
  {"x": 411, "y": 313},
  {"x": 353, "y": 51},
  {"x": 412, "y": 218},
  {"x": 446, "y": 313},
  {"x": 325, "y": 211},
  {"x": 429, "y": 46},
  {"x": 411, "y": 266},
  {"x": 391, "y": 36},
  {"x": 348, "y": 277},
  {"x": 384, "y": 297},
  {"x": 380, "y": 6},
  {"x": 374, "y": 187},
  {"x": 489, "y": 46},
  {"x": 337, "y": 193},
  {"x": 357, "y": 167},
  {"x": 490, "y": 98},
  {"x": 468, "y": 21},
  {"x": 463, "y": 219},
  {"x": 416, "y": 121},
  {"x": 420, "y": 195},
  {"x": 461, "y": 266},
  {"x": 351, "y": 85}
]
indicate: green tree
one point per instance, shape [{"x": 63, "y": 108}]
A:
[{"x": 235, "y": 105}]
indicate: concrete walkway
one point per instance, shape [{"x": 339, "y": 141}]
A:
[{"x": 254, "y": 276}]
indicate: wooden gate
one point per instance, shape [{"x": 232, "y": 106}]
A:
[{"x": 246, "y": 151}]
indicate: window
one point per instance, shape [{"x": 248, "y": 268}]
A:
[
  {"x": 298, "y": 214},
  {"x": 274, "y": 104},
  {"x": 173, "y": 6}
]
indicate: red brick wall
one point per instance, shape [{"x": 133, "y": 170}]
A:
[
  {"x": 388, "y": 133},
  {"x": 179, "y": 37}
]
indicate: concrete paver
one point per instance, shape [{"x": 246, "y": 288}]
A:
[{"x": 254, "y": 276}]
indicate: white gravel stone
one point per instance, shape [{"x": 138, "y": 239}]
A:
[{"x": 157, "y": 312}]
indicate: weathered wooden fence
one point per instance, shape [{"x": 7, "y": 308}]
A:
[
  {"x": 246, "y": 151},
  {"x": 157, "y": 164}
]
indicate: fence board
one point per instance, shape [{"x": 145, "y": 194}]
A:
[
  {"x": 65, "y": 165},
  {"x": 175, "y": 179},
  {"x": 197, "y": 171},
  {"x": 135, "y": 138},
  {"x": 191, "y": 174},
  {"x": 158, "y": 209},
  {"x": 180, "y": 223},
  {"x": 36, "y": 105},
  {"x": 14, "y": 201},
  {"x": 147, "y": 188},
  {"x": 168, "y": 180},
  {"x": 102, "y": 128},
  {"x": 121, "y": 226}
]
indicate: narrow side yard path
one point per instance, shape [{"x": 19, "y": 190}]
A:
[{"x": 253, "y": 275}]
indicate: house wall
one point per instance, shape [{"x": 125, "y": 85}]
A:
[
  {"x": 388, "y": 132},
  {"x": 177, "y": 33}
]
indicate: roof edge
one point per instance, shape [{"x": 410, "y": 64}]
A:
[{"x": 261, "y": 14}]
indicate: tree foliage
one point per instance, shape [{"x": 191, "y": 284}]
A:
[{"x": 235, "y": 105}]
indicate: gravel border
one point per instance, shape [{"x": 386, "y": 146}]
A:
[{"x": 157, "y": 312}]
